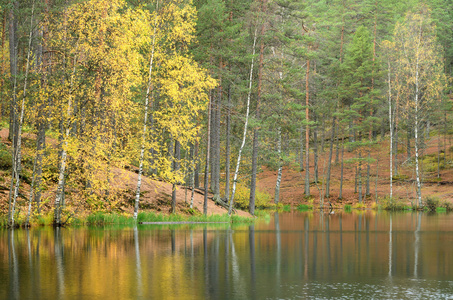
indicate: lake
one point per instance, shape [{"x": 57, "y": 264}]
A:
[{"x": 296, "y": 255}]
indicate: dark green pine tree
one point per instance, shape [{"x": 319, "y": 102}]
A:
[{"x": 356, "y": 86}]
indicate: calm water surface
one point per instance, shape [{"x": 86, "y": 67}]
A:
[{"x": 291, "y": 256}]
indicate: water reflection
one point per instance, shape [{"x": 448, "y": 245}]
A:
[{"x": 295, "y": 255}]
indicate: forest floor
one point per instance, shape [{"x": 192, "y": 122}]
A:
[
  {"x": 156, "y": 195},
  {"x": 404, "y": 188}
]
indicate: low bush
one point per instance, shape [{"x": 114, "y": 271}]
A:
[
  {"x": 436, "y": 204},
  {"x": 242, "y": 198},
  {"x": 388, "y": 203},
  {"x": 359, "y": 206}
]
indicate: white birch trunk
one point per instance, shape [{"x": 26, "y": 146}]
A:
[
  {"x": 142, "y": 150},
  {"x": 417, "y": 167},
  {"x": 230, "y": 208},
  {"x": 280, "y": 167},
  {"x": 60, "y": 189},
  {"x": 391, "y": 131}
]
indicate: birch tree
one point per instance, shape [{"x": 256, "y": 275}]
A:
[{"x": 419, "y": 64}]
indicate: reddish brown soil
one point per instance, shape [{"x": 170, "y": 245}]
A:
[
  {"x": 292, "y": 186},
  {"x": 156, "y": 196}
]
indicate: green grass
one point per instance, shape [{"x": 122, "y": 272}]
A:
[
  {"x": 100, "y": 218},
  {"x": 304, "y": 207},
  {"x": 285, "y": 208},
  {"x": 348, "y": 208}
]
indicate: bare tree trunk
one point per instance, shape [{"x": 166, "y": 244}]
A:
[
  {"x": 315, "y": 152},
  {"x": 206, "y": 168},
  {"x": 391, "y": 129},
  {"x": 142, "y": 150},
  {"x": 12, "y": 134},
  {"x": 18, "y": 147},
  {"x": 367, "y": 192},
  {"x": 329, "y": 163},
  {"x": 230, "y": 206},
  {"x": 176, "y": 158},
  {"x": 377, "y": 177},
  {"x": 301, "y": 161},
  {"x": 340, "y": 195},
  {"x": 337, "y": 145},
  {"x": 307, "y": 132},
  {"x": 280, "y": 166},
  {"x": 196, "y": 177},
  {"x": 257, "y": 115},
  {"x": 408, "y": 140},
  {"x": 216, "y": 153},
  {"x": 227, "y": 150},
  {"x": 416, "y": 144},
  {"x": 360, "y": 177}
]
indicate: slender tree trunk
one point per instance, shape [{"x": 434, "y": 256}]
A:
[
  {"x": 12, "y": 134},
  {"x": 176, "y": 158},
  {"x": 206, "y": 168},
  {"x": 391, "y": 128},
  {"x": 145, "y": 119},
  {"x": 315, "y": 153},
  {"x": 360, "y": 177},
  {"x": 329, "y": 163},
  {"x": 217, "y": 141},
  {"x": 337, "y": 145},
  {"x": 212, "y": 138},
  {"x": 257, "y": 115},
  {"x": 416, "y": 144},
  {"x": 280, "y": 166},
  {"x": 445, "y": 137},
  {"x": 367, "y": 192},
  {"x": 227, "y": 150},
  {"x": 18, "y": 146},
  {"x": 307, "y": 132},
  {"x": 377, "y": 177},
  {"x": 408, "y": 140},
  {"x": 196, "y": 177},
  {"x": 340, "y": 195},
  {"x": 230, "y": 206},
  {"x": 438, "y": 157},
  {"x": 302, "y": 140},
  {"x": 61, "y": 177},
  {"x": 3, "y": 68}
]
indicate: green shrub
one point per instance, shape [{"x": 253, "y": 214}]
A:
[
  {"x": 242, "y": 198},
  {"x": 431, "y": 203},
  {"x": 388, "y": 203},
  {"x": 6, "y": 159},
  {"x": 348, "y": 207}
]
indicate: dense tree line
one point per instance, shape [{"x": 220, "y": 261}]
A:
[{"x": 175, "y": 87}]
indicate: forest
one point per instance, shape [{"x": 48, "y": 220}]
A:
[{"x": 204, "y": 94}]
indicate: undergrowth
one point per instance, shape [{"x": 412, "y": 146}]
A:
[{"x": 242, "y": 198}]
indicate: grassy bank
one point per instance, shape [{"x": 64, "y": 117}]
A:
[{"x": 104, "y": 218}]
